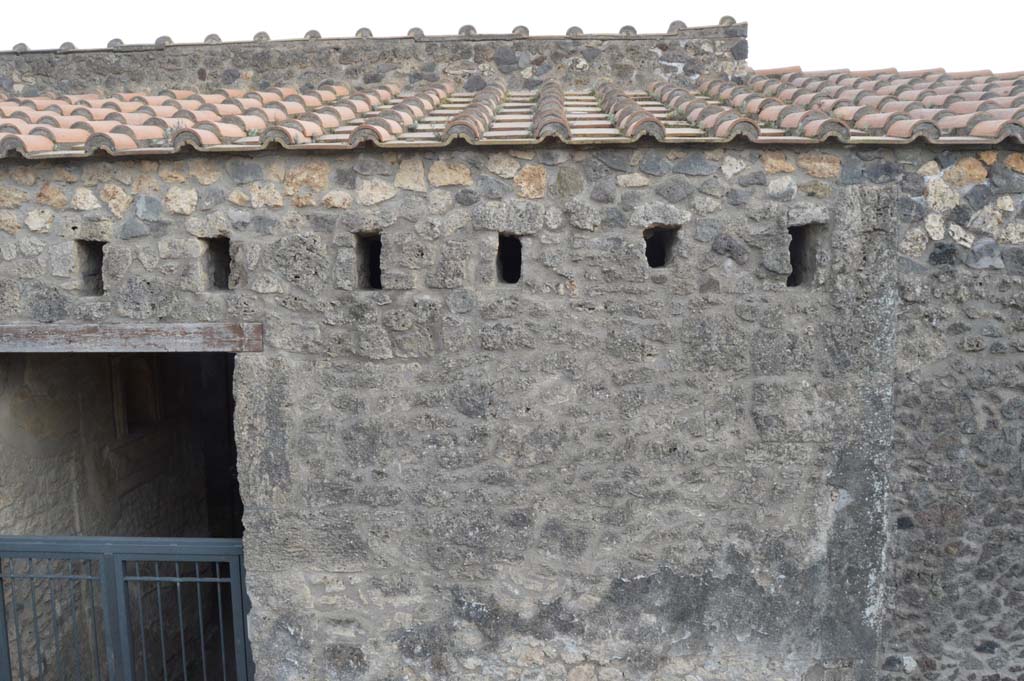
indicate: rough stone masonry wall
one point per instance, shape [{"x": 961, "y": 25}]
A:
[
  {"x": 521, "y": 61},
  {"x": 605, "y": 471},
  {"x": 957, "y": 483}
]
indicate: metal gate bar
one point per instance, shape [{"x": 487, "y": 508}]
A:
[
  {"x": 53, "y": 580},
  {"x": 88, "y": 619}
]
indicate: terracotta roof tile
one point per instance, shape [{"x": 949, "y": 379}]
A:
[
  {"x": 774, "y": 106},
  {"x": 890, "y": 106},
  {"x": 631, "y": 119},
  {"x": 477, "y": 117},
  {"x": 549, "y": 116}
]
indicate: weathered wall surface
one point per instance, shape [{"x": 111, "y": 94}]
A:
[
  {"x": 576, "y": 61},
  {"x": 606, "y": 470},
  {"x": 69, "y": 469},
  {"x": 956, "y": 488}
]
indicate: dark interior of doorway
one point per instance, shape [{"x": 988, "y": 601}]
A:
[
  {"x": 180, "y": 406},
  {"x": 137, "y": 448},
  {"x": 122, "y": 445},
  {"x": 213, "y": 412}
]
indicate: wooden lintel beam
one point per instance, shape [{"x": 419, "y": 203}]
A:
[{"x": 167, "y": 337}]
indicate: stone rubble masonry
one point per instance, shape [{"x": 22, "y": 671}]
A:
[
  {"x": 608, "y": 470},
  {"x": 522, "y": 62}
]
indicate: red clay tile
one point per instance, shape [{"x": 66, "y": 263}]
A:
[
  {"x": 909, "y": 128},
  {"x": 879, "y": 105},
  {"x": 549, "y": 117},
  {"x": 476, "y": 119},
  {"x": 24, "y": 144},
  {"x": 16, "y": 125},
  {"x": 998, "y": 130},
  {"x": 632, "y": 120},
  {"x": 109, "y": 142}
]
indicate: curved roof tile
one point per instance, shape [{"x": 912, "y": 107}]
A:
[{"x": 770, "y": 107}]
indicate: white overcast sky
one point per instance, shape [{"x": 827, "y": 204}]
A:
[{"x": 906, "y": 34}]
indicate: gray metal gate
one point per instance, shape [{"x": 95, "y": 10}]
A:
[{"x": 113, "y": 609}]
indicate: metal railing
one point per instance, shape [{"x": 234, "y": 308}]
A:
[{"x": 119, "y": 609}]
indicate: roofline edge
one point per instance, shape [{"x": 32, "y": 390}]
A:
[{"x": 737, "y": 30}]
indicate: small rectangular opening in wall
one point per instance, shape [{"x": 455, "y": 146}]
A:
[
  {"x": 90, "y": 266},
  {"x": 803, "y": 254},
  {"x": 368, "y": 249},
  {"x": 218, "y": 263},
  {"x": 660, "y": 241},
  {"x": 510, "y": 259}
]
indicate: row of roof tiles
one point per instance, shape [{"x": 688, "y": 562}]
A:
[
  {"x": 772, "y": 107},
  {"x": 467, "y": 31}
]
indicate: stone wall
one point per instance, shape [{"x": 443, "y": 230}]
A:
[
  {"x": 521, "y": 61},
  {"x": 606, "y": 470},
  {"x": 957, "y": 510}
]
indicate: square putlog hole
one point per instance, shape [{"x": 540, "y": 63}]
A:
[
  {"x": 90, "y": 266},
  {"x": 660, "y": 242},
  {"x": 804, "y": 243},
  {"x": 368, "y": 251}
]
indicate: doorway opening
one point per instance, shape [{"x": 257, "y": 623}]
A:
[
  {"x": 120, "y": 517},
  {"x": 125, "y": 445}
]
